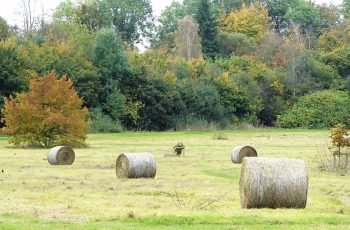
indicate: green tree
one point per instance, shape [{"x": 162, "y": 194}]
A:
[
  {"x": 65, "y": 11},
  {"x": 234, "y": 44},
  {"x": 13, "y": 74},
  {"x": 339, "y": 59},
  {"x": 4, "y": 29},
  {"x": 160, "y": 101},
  {"x": 307, "y": 16},
  {"x": 67, "y": 60},
  {"x": 277, "y": 11},
  {"x": 207, "y": 28},
  {"x": 345, "y": 8},
  {"x": 109, "y": 56}
]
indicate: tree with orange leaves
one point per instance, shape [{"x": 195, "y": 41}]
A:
[{"x": 49, "y": 114}]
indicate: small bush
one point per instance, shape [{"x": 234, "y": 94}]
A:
[
  {"x": 102, "y": 123},
  {"x": 220, "y": 136},
  {"x": 179, "y": 149},
  {"x": 322, "y": 109}
]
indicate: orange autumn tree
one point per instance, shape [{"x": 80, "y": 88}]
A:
[{"x": 49, "y": 114}]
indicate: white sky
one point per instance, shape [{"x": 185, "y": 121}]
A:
[{"x": 9, "y": 8}]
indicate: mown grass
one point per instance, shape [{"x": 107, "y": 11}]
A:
[{"x": 198, "y": 191}]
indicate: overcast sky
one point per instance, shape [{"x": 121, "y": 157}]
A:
[{"x": 9, "y": 8}]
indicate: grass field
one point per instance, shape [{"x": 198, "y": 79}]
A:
[{"x": 198, "y": 191}]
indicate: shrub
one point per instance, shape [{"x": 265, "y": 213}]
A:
[
  {"x": 49, "y": 114},
  {"x": 321, "y": 109},
  {"x": 102, "y": 123}
]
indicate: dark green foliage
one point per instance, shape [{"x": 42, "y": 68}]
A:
[
  {"x": 278, "y": 10},
  {"x": 208, "y": 104},
  {"x": 12, "y": 67},
  {"x": 306, "y": 15},
  {"x": 273, "y": 102},
  {"x": 161, "y": 101},
  {"x": 101, "y": 123},
  {"x": 345, "y": 8},
  {"x": 116, "y": 104},
  {"x": 109, "y": 56},
  {"x": 239, "y": 81},
  {"x": 66, "y": 60},
  {"x": 13, "y": 77},
  {"x": 4, "y": 29},
  {"x": 207, "y": 28},
  {"x": 339, "y": 59},
  {"x": 321, "y": 109},
  {"x": 234, "y": 44},
  {"x": 133, "y": 19}
]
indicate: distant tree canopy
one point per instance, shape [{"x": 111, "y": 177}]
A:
[
  {"x": 13, "y": 70},
  {"x": 4, "y": 29},
  {"x": 133, "y": 19},
  {"x": 252, "y": 21},
  {"x": 211, "y": 63}
]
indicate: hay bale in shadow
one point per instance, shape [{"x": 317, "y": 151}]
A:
[
  {"x": 136, "y": 165},
  {"x": 240, "y": 152},
  {"x": 61, "y": 155},
  {"x": 273, "y": 183}
]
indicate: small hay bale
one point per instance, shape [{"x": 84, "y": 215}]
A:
[
  {"x": 273, "y": 183},
  {"x": 240, "y": 152},
  {"x": 61, "y": 155},
  {"x": 136, "y": 165}
]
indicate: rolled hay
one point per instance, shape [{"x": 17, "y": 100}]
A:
[
  {"x": 273, "y": 183},
  {"x": 240, "y": 152},
  {"x": 136, "y": 165},
  {"x": 61, "y": 155}
]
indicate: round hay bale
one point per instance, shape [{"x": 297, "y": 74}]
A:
[
  {"x": 61, "y": 155},
  {"x": 273, "y": 183},
  {"x": 136, "y": 165},
  {"x": 240, "y": 152}
]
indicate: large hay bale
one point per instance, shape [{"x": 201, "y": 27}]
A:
[
  {"x": 61, "y": 155},
  {"x": 240, "y": 152},
  {"x": 273, "y": 183},
  {"x": 136, "y": 165}
]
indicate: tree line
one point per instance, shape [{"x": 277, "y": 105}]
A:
[{"x": 209, "y": 62}]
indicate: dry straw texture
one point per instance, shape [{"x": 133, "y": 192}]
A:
[
  {"x": 273, "y": 183},
  {"x": 240, "y": 152},
  {"x": 61, "y": 155},
  {"x": 136, "y": 165}
]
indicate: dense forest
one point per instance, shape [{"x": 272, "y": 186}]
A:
[{"x": 208, "y": 63}]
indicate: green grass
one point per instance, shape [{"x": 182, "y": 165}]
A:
[{"x": 88, "y": 195}]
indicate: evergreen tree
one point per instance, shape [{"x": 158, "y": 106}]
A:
[{"x": 207, "y": 28}]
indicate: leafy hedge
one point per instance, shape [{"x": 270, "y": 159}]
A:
[{"x": 321, "y": 109}]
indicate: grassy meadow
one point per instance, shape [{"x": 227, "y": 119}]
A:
[{"x": 197, "y": 191}]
